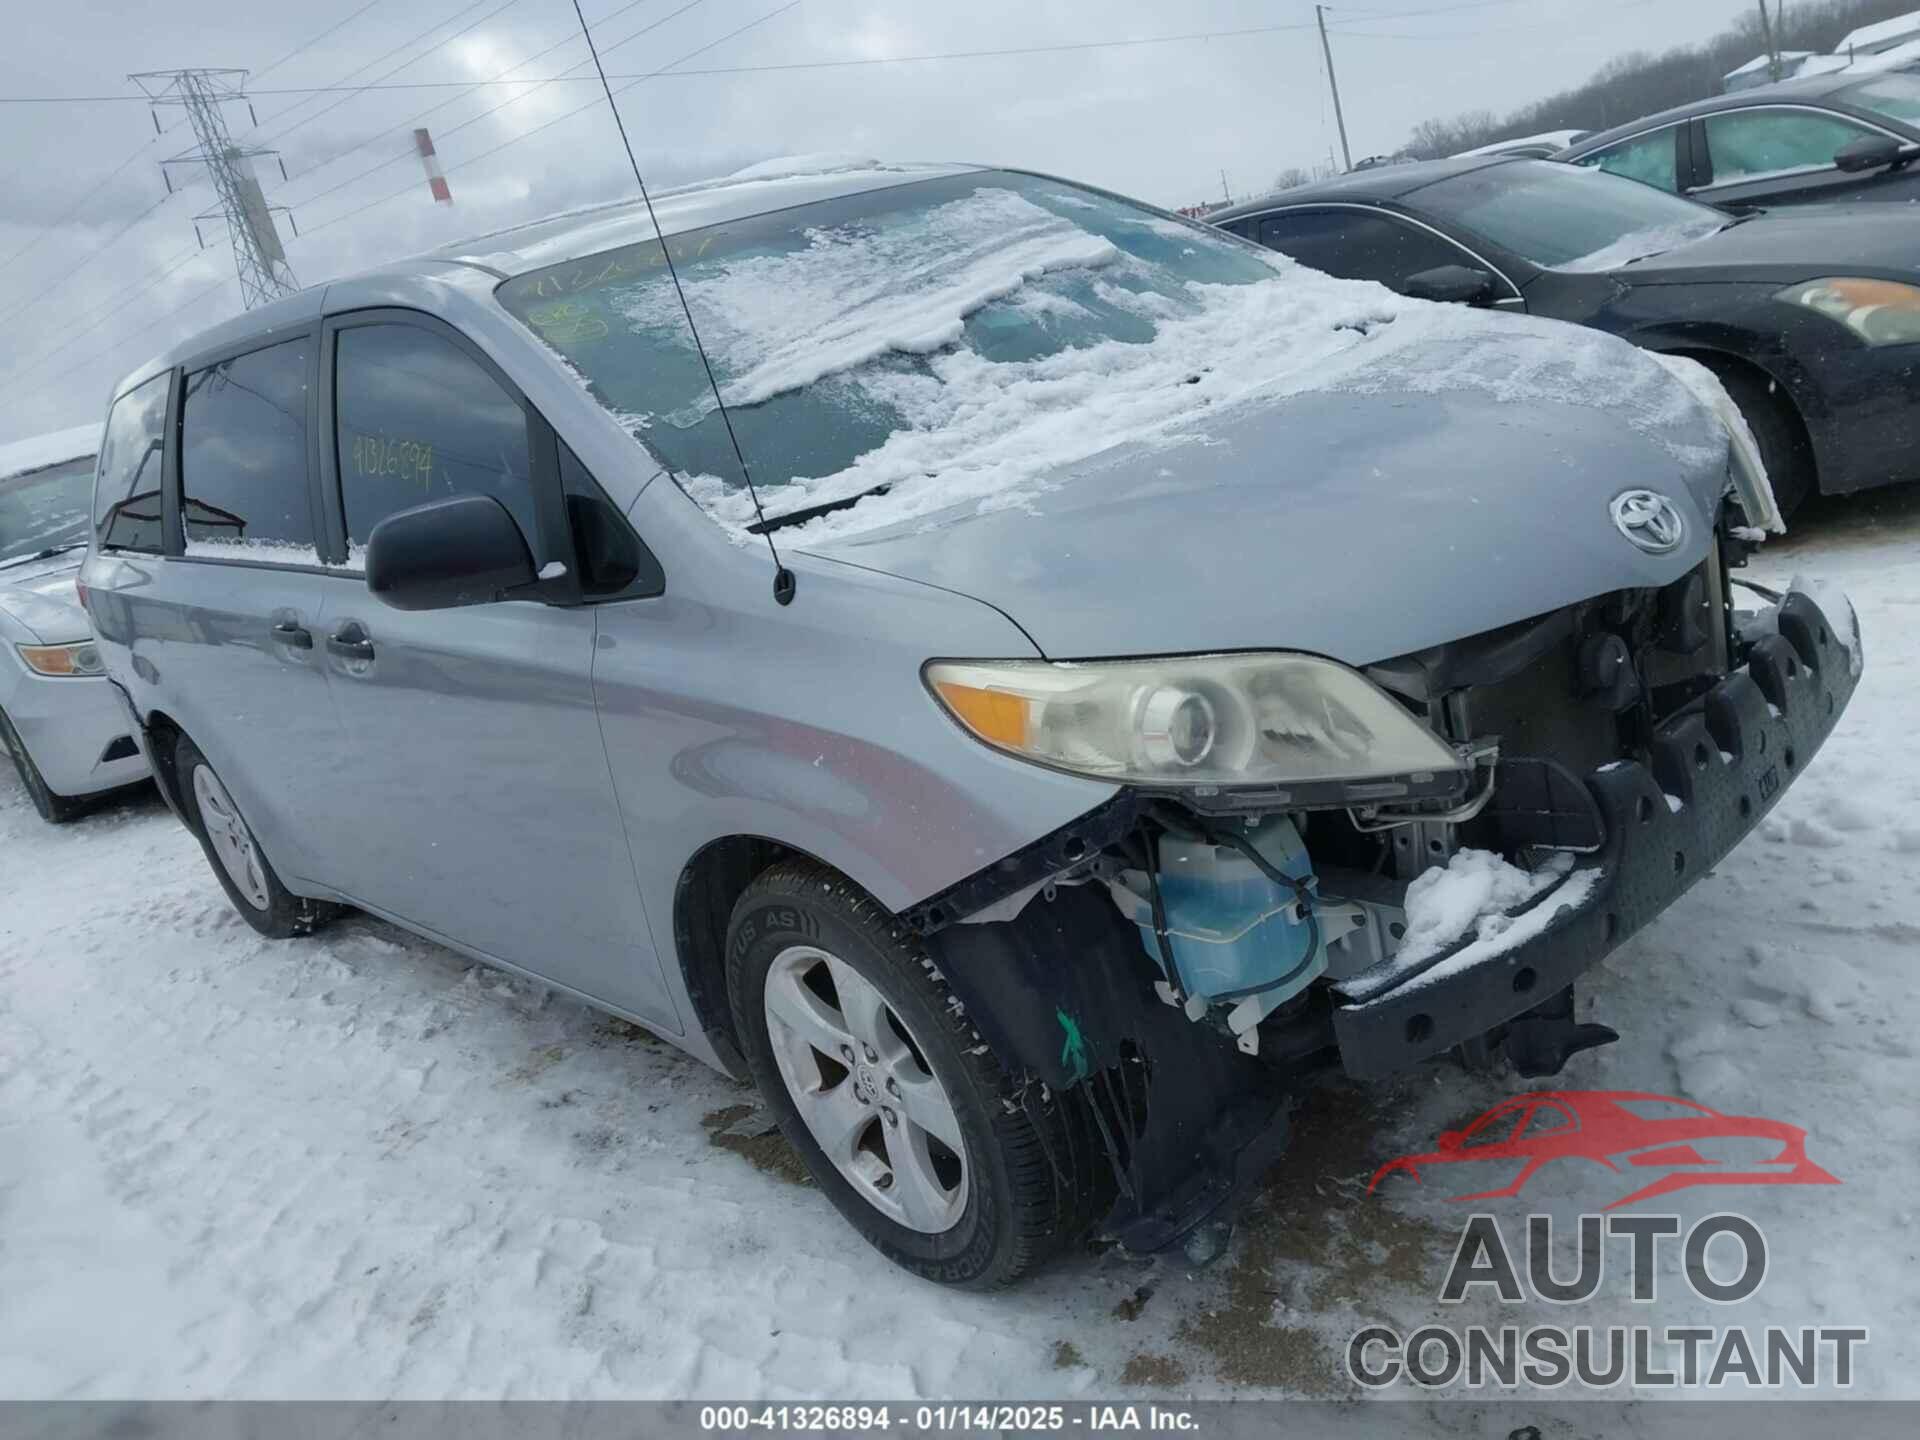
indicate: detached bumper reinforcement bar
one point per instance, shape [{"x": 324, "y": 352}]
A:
[{"x": 1727, "y": 758}]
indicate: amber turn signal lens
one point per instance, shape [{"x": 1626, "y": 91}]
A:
[{"x": 993, "y": 715}]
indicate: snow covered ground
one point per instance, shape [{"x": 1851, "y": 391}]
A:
[{"x": 357, "y": 1166}]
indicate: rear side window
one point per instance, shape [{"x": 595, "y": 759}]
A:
[
  {"x": 418, "y": 419},
  {"x": 1649, "y": 159},
  {"x": 1353, "y": 246},
  {"x": 243, "y": 458},
  {"x": 126, "y": 492}
]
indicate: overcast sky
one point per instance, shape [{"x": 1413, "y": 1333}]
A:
[{"x": 85, "y": 296}]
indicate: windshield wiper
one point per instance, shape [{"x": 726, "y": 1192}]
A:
[
  {"x": 46, "y": 554},
  {"x": 814, "y": 512}
]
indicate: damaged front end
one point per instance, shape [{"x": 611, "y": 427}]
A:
[{"x": 1179, "y": 958}]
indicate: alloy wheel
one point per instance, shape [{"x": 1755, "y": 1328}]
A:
[
  {"x": 231, "y": 839},
  {"x": 861, "y": 1084}
]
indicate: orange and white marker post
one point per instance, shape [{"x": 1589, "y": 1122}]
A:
[{"x": 436, "y": 180}]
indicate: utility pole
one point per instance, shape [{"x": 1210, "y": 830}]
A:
[
  {"x": 1320, "y": 14},
  {"x": 258, "y": 257},
  {"x": 1773, "y": 48}
]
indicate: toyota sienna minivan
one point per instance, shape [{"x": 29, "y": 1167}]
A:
[{"x": 1040, "y": 695}]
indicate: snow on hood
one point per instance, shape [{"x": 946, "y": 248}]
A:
[
  {"x": 990, "y": 435},
  {"x": 42, "y": 450}
]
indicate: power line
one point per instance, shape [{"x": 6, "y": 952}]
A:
[
  {"x": 194, "y": 299},
  {"x": 468, "y": 88},
  {"x": 567, "y": 115},
  {"x": 45, "y": 291},
  {"x": 302, "y": 49},
  {"x": 1004, "y": 52},
  {"x": 77, "y": 207},
  {"x": 391, "y": 161},
  {"x": 152, "y": 282}
]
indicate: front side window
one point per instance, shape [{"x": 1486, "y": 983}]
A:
[
  {"x": 1563, "y": 217},
  {"x": 873, "y": 339},
  {"x": 1648, "y": 159},
  {"x": 1744, "y": 143},
  {"x": 417, "y": 419},
  {"x": 1359, "y": 247},
  {"x": 126, "y": 492},
  {"x": 243, "y": 458},
  {"x": 45, "y": 509}
]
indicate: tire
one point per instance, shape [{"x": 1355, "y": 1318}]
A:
[
  {"x": 998, "y": 1205},
  {"x": 250, "y": 881},
  {"x": 54, "y": 808},
  {"x": 1777, "y": 429}
]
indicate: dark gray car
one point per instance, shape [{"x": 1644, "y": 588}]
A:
[{"x": 1076, "y": 736}]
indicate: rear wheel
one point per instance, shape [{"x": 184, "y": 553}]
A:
[
  {"x": 878, "y": 1080},
  {"x": 236, "y": 857},
  {"x": 54, "y": 808}
]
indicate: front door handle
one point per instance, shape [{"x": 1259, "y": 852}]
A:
[
  {"x": 351, "y": 641},
  {"x": 294, "y": 634}
]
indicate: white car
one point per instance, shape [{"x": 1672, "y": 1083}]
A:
[{"x": 68, "y": 734}]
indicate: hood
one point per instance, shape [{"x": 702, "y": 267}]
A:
[
  {"x": 1798, "y": 243},
  {"x": 40, "y": 596},
  {"x": 1360, "y": 526}
]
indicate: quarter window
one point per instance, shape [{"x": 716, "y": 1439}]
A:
[
  {"x": 1648, "y": 159},
  {"x": 1744, "y": 143},
  {"x": 418, "y": 419},
  {"x": 126, "y": 492},
  {"x": 243, "y": 457},
  {"x": 1354, "y": 246}
]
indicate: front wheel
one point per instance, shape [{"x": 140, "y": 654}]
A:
[
  {"x": 878, "y": 1080},
  {"x": 236, "y": 857}
]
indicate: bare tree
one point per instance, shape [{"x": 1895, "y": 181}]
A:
[{"x": 1629, "y": 86}]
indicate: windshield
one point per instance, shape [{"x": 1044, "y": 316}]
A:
[
  {"x": 1565, "y": 217},
  {"x": 45, "y": 508},
  {"x": 1895, "y": 95},
  {"x": 838, "y": 326}
]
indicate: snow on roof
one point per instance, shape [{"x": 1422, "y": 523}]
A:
[
  {"x": 1899, "y": 57},
  {"x": 770, "y": 185},
  {"x": 1758, "y": 71},
  {"x": 1559, "y": 139},
  {"x": 1882, "y": 35},
  {"x": 40, "y": 450}
]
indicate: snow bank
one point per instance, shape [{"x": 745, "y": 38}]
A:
[{"x": 41, "y": 450}]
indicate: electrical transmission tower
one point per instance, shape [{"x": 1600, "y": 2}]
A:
[{"x": 257, "y": 253}]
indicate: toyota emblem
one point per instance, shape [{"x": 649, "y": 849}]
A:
[{"x": 1650, "y": 520}]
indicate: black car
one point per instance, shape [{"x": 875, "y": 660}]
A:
[
  {"x": 1841, "y": 137},
  {"x": 1810, "y": 316}
]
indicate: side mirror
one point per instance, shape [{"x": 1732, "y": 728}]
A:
[
  {"x": 448, "y": 553},
  {"x": 1872, "y": 152},
  {"x": 1451, "y": 285}
]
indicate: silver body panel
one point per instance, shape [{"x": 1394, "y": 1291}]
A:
[{"x": 530, "y": 784}]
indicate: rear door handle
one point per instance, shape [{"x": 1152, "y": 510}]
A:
[
  {"x": 291, "y": 633},
  {"x": 351, "y": 641}
]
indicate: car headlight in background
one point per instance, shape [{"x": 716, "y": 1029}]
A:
[
  {"x": 78, "y": 659},
  {"x": 1880, "y": 312},
  {"x": 1206, "y": 720}
]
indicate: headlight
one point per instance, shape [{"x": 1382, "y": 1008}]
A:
[
  {"x": 1206, "y": 720},
  {"x": 1880, "y": 312},
  {"x": 80, "y": 659}
]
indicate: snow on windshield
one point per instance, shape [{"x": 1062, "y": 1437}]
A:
[
  {"x": 966, "y": 351},
  {"x": 856, "y": 292},
  {"x": 1640, "y": 244}
]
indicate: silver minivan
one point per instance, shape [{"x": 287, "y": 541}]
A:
[{"x": 1036, "y": 683}]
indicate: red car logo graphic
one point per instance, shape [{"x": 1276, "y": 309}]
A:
[{"x": 1622, "y": 1130}]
